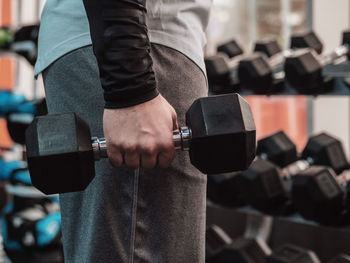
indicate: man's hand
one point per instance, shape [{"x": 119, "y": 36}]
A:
[{"x": 141, "y": 135}]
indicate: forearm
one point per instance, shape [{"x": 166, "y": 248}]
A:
[{"x": 122, "y": 49}]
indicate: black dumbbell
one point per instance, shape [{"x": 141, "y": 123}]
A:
[
  {"x": 306, "y": 39},
  {"x": 221, "y": 72},
  {"x": 341, "y": 258},
  {"x": 61, "y": 155},
  {"x": 231, "y": 49},
  {"x": 320, "y": 195},
  {"x": 321, "y": 149},
  {"x": 289, "y": 253},
  {"x": 265, "y": 75},
  {"x": 304, "y": 69},
  {"x": 225, "y": 189},
  {"x": 23, "y": 41},
  {"x": 222, "y": 68},
  {"x": 267, "y": 187},
  {"x": 220, "y": 248}
]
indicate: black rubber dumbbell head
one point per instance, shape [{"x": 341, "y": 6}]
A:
[
  {"x": 217, "y": 70},
  {"x": 325, "y": 149},
  {"x": 306, "y": 40},
  {"x": 264, "y": 187},
  {"x": 269, "y": 47},
  {"x": 317, "y": 195},
  {"x": 223, "y": 134},
  {"x": 231, "y": 49},
  {"x": 225, "y": 189},
  {"x": 60, "y": 146},
  {"x": 278, "y": 148},
  {"x": 255, "y": 73},
  {"x": 304, "y": 72}
]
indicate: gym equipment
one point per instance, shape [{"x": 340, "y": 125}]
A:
[
  {"x": 17, "y": 103},
  {"x": 19, "y": 113},
  {"x": 29, "y": 231},
  {"x": 222, "y": 73},
  {"x": 225, "y": 189},
  {"x": 289, "y": 253},
  {"x": 264, "y": 75},
  {"x": 306, "y": 39},
  {"x": 231, "y": 49},
  {"x": 304, "y": 69},
  {"x": 61, "y": 153},
  {"x": 319, "y": 195},
  {"x": 267, "y": 187},
  {"x": 23, "y": 41},
  {"x": 220, "y": 248},
  {"x": 321, "y": 149},
  {"x": 278, "y": 148},
  {"x": 14, "y": 171},
  {"x": 341, "y": 258}
]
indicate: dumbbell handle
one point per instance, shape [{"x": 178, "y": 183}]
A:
[
  {"x": 334, "y": 55},
  {"x": 181, "y": 138}
]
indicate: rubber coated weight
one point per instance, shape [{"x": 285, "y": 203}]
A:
[
  {"x": 269, "y": 47},
  {"x": 265, "y": 189},
  {"x": 231, "y": 49},
  {"x": 59, "y": 153},
  {"x": 318, "y": 196},
  {"x": 223, "y": 134},
  {"x": 61, "y": 158},
  {"x": 225, "y": 189},
  {"x": 278, "y": 148},
  {"x": 325, "y": 149},
  {"x": 306, "y": 40}
]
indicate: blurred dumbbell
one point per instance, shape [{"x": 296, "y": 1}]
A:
[
  {"x": 289, "y": 253},
  {"x": 220, "y": 138},
  {"x": 321, "y": 149},
  {"x": 23, "y": 41},
  {"x": 268, "y": 187},
  {"x": 341, "y": 258},
  {"x": 304, "y": 69},
  {"x": 264, "y": 74},
  {"x": 222, "y": 68},
  {"x": 220, "y": 248},
  {"x": 225, "y": 189},
  {"x": 231, "y": 49},
  {"x": 320, "y": 195},
  {"x": 306, "y": 39}
]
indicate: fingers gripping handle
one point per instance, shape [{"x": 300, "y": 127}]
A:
[{"x": 181, "y": 140}]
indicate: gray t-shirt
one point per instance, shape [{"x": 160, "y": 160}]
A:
[{"x": 178, "y": 24}]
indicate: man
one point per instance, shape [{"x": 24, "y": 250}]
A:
[{"x": 155, "y": 213}]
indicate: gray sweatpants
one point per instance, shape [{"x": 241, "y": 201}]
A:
[{"x": 156, "y": 216}]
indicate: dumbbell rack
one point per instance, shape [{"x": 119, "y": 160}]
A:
[{"x": 326, "y": 241}]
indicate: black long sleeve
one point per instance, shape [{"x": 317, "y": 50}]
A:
[{"x": 122, "y": 48}]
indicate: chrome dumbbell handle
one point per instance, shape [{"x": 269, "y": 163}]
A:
[{"x": 181, "y": 138}]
